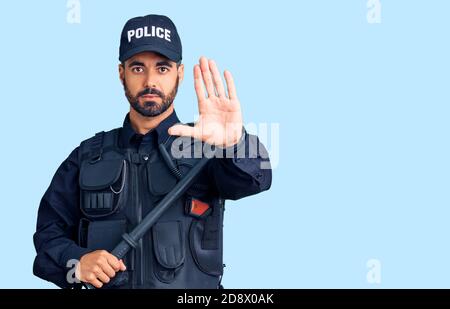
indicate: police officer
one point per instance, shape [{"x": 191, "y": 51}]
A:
[{"x": 113, "y": 179}]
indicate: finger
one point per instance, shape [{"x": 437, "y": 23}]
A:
[
  {"x": 113, "y": 262},
  {"x": 217, "y": 79},
  {"x": 122, "y": 266},
  {"x": 184, "y": 130},
  {"x": 102, "y": 277},
  {"x": 95, "y": 282},
  {"x": 230, "y": 85},
  {"x": 108, "y": 270},
  {"x": 198, "y": 83},
  {"x": 207, "y": 77}
]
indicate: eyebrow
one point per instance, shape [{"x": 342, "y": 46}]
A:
[
  {"x": 164, "y": 63},
  {"x": 133, "y": 63}
]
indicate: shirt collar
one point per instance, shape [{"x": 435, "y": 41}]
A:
[{"x": 129, "y": 135}]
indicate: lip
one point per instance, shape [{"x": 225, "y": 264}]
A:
[{"x": 150, "y": 96}]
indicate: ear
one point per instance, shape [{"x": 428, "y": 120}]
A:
[
  {"x": 181, "y": 73},
  {"x": 121, "y": 72}
]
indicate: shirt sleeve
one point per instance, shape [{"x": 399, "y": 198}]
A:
[
  {"x": 242, "y": 170},
  {"x": 57, "y": 225}
]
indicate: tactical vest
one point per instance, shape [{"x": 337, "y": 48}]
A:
[{"x": 119, "y": 186}]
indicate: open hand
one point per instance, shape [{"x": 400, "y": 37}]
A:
[{"x": 220, "y": 119}]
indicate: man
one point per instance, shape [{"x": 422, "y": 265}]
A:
[{"x": 112, "y": 180}]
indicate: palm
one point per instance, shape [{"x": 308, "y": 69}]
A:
[{"x": 220, "y": 120}]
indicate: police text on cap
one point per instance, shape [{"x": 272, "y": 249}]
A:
[{"x": 143, "y": 32}]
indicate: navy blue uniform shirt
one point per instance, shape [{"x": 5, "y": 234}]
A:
[{"x": 59, "y": 211}]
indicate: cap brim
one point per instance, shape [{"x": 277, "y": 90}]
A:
[{"x": 152, "y": 48}]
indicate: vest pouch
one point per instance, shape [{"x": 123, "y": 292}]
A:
[
  {"x": 103, "y": 186},
  {"x": 160, "y": 179},
  {"x": 105, "y": 235},
  {"x": 205, "y": 242},
  {"x": 169, "y": 250},
  {"x": 201, "y": 184}
]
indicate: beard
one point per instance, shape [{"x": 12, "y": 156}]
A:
[{"x": 151, "y": 108}]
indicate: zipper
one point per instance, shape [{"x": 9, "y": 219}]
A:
[
  {"x": 144, "y": 242},
  {"x": 138, "y": 220},
  {"x": 134, "y": 211},
  {"x": 136, "y": 206}
]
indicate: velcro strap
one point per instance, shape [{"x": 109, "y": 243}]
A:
[{"x": 96, "y": 147}]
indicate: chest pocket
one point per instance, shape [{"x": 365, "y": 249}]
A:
[
  {"x": 160, "y": 179},
  {"x": 103, "y": 186}
]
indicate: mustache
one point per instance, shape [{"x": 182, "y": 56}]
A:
[{"x": 152, "y": 91}]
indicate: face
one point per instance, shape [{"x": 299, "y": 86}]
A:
[{"x": 150, "y": 82}]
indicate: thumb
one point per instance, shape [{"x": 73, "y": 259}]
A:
[
  {"x": 184, "y": 130},
  {"x": 122, "y": 266}
]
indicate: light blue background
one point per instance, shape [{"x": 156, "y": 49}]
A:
[{"x": 363, "y": 114}]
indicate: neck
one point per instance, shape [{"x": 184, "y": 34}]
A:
[{"x": 143, "y": 125}]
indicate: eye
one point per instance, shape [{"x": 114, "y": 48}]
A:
[
  {"x": 137, "y": 69},
  {"x": 163, "y": 70}
]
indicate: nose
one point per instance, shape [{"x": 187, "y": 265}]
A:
[{"x": 150, "y": 81}]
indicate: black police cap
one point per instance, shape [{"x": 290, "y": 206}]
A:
[{"x": 155, "y": 33}]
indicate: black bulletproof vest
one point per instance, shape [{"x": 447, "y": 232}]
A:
[{"x": 118, "y": 187}]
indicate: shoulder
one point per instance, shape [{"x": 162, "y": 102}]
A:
[
  {"x": 99, "y": 135},
  {"x": 97, "y": 141}
]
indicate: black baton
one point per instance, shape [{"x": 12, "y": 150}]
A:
[{"x": 130, "y": 240}]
